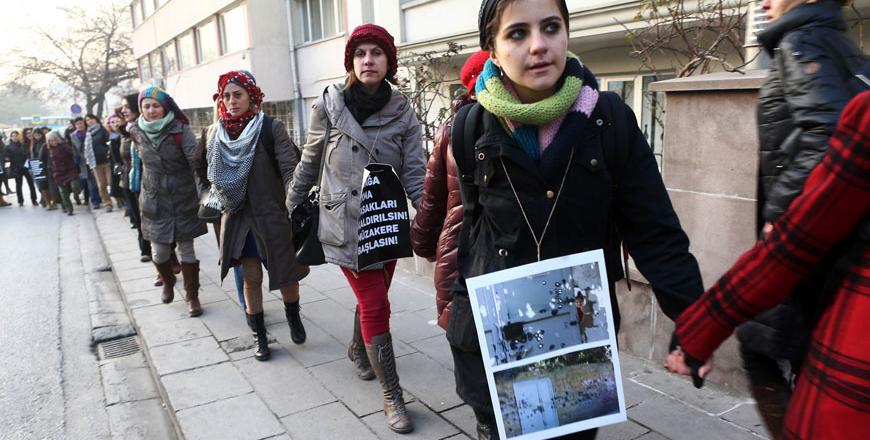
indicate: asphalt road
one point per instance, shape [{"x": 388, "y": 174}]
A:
[{"x": 50, "y": 385}]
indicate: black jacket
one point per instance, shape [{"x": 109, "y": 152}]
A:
[
  {"x": 17, "y": 154},
  {"x": 593, "y": 206},
  {"x": 810, "y": 81},
  {"x": 100, "y": 139}
]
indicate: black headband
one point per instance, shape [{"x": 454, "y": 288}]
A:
[{"x": 486, "y": 14}]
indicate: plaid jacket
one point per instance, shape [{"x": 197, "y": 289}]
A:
[{"x": 832, "y": 398}]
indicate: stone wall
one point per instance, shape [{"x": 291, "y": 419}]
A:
[{"x": 709, "y": 167}]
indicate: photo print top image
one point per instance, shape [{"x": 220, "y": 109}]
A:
[{"x": 544, "y": 312}]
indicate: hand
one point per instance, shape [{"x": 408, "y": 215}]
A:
[
  {"x": 766, "y": 230},
  {"x": 676, "y": 363}
]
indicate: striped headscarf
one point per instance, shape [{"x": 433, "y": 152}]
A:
[{"x": 165, "y": 100}]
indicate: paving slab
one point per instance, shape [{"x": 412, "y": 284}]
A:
[
  {"x": 324, "y": 281},
  {"x": 709, "y": 398},
  {"x": 414, "y": 326},
  {"x": 157, "y": 334},
  {"x": 436, "y": 348},
  {"x": 330, "y": 316},
  {"x": 403, "y": 298},
  {"x": 429, "y": 382},
  {"x": 204, "y": 385},
  {"x": 187, "y": 355},
  {"x": 140, "y": 285},
  {"x": 137, "y": 273},
  {"x": 242, "y": 417},
  {"x": 225, "y": 320},
  {"x": 463, "y": 418},
  {"x": 158, "y": 314},
  {"x": 622, "y": 431},
  {"x": 427, "y": 424},
  {"x": 319, "y": 347},
  {"x": 141, "y": 420},
  {"x": 675, "y": 420},
  {"x": 144, "y": 299},
  {"x": 342, "y": 423},
  {"x": 344, "y": 297},
  {"x": 121, "y": 383},
  {"x": 361, "y": 397},
  {"x": 747, "y": 416},
  {"x": 284, "y": 385}
]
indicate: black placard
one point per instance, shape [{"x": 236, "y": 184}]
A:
[
  {"x": 36, "y": 169},
  {"x": 384, "y": 226}
]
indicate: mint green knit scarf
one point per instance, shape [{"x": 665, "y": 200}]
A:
[{"x": 153, "y": 129}]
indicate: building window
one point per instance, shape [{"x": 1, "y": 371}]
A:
[
  {"x": 186, "y": 51},
  {"x": 234, "y": 30},
  {"x": 156, "y": 64},
  {"x": 147, "y": 8},
  {"x": 317, "y": 19},
  {"x": 136, "y": 11},
  {"x": 652, "y": 120},
  {"x": 368, "y": 11},
  {"x": 144, "y": 69},
  {"x": 170, "y": 58},
  {"x": 207, "y": 37},
  {"x": 161, "y": 3}
]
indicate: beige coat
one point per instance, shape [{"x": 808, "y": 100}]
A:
[{"x": 390, "y": 136}]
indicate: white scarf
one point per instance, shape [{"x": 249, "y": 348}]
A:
[{"x": 229, "y": 163}]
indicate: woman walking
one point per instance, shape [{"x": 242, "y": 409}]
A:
[
  {"x": 251, "y": 160},
  {"x": 435, "y": 231},
  {"x": 353, "y": 124},
  {"x": 97, "y": 157},
  {"x": 17, "y": 152},
  {"x": 132, "y": 173},
  {"x": 168, "y": 199},
  {"x": 564, "y": 169},
  {"x": 39, "y": 153},
  {"x": 115, "y": 165},
  {"x": 63, "y": 168}
]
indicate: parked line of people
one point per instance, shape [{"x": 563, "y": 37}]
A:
[{"x": 535, "y": 162}]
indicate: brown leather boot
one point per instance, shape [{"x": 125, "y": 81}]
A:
[
  {"x": 165, "y": 271},
  {"x": 356, "y": 352},
  {"x": 383, "y": 361},
  {"x": 190, "y": 273}
]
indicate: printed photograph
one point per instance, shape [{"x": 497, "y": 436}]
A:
[
  {"x": 543, "y": 312},
  {"x": 556, "y": 392}
]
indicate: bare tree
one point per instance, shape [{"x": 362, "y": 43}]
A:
[
  {"x": 688, "y": 37},
  {"x": 425, "y": 78},
  {"x": 91, "y": 58}
]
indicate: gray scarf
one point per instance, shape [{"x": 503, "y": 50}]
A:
[{"x": 229, "y": 163}]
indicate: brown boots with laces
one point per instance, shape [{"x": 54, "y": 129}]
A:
[
  {"x": 383, "y": 363},
  {"x": 356, "y": 352}
]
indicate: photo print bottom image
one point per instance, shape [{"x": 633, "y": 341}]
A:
[
  {"x": 544, "y": 312},
  {"x": 557, "y": 391}
]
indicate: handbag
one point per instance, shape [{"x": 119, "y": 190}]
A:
[
  {"x": 207, "y": 213},
  {"x": 305, "y": 219}
]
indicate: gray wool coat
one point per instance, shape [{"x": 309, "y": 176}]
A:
[
  {"x": 390, "y": 136},
  {"x": 169, "y": 198}
]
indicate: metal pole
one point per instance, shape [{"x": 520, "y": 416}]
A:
[{"x": 299, "y": 108}]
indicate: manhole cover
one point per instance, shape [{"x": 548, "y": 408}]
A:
[{"x": 118, "y": 348}]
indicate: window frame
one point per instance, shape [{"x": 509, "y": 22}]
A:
[
  {"x": 222, "y": 33},
  {"x": 306, "y": 33},
  {"x": 200, "y": 55}
]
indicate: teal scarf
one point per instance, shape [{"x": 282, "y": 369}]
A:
[{"x": 154, "y": 129}]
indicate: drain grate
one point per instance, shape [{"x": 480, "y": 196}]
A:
[{"x": 118, "y": 348}]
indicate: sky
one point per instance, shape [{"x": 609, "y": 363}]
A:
[{"x": 20, "y": 17}]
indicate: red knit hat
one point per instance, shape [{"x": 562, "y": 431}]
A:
[
  {"x": 372, "y": 33},
  {"x": 472, "y": 68}
]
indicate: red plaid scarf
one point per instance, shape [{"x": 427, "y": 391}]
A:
[{"x": 235, "y": 124}]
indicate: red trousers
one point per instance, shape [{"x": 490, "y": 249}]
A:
[{"x": 370, "y": 288}]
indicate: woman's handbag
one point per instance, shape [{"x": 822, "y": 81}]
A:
[
  {"x": 207, "y": 213},
  {"x": 305, "y": 219}
]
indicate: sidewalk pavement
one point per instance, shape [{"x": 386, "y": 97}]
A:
[{"x": 214, "y": 388}]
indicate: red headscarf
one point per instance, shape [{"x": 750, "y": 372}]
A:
[{"x": 234, "y": 125}]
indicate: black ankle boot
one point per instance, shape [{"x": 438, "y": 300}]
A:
[
  {"x": 261, "y": 338},
  {"x": 297, "y": 330}
]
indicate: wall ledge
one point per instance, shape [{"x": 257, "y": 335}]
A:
[{"x": 750, "y": 80}]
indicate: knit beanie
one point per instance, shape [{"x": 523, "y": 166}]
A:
[
  {"x": 372, "y": 33},
  {"x": 472, "y": 68}
]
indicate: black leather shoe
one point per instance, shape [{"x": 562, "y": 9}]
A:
[{"x": 297, "y": 330}]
